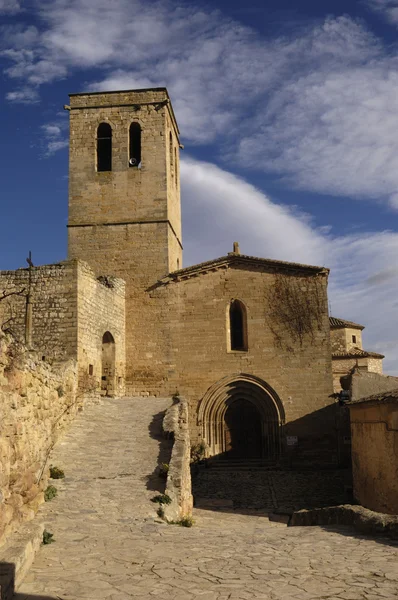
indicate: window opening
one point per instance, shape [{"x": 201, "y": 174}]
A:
[
  {"x": 104, "y": 147},
  {"x": 171, "y": 154},
  {"x": 90, "y": 369},
  {"x": 135, "y": 145},
  {"x": 237, "y": 318},
  {"x": 354, "y": 339}
]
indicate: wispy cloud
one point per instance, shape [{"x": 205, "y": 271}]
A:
[
  {"x": 317, "y": 108},
  {"x": 388, "y": 8},
  {"x": 55, "y": 136},
  {"x": 220, "y": 208},
  {"x": 25, "y": 95},
  {"x": 9, "y": 7}
]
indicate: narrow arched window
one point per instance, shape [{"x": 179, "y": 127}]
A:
[
  {"x": 104, "y": 147},
  {"x": 135, "y": 145},
  {"x": 238, "y": 325}
]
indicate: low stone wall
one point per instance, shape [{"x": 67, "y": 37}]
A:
[
  {"x": 178, "y": 486},
  {"x": 37, "y": 402},
  {"x": 362, "y": 519}
]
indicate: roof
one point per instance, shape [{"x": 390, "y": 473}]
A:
[
  {"x": 235, "y": 259},
  {"x": 357, "y": 353},
  {"x": 152, "y": 89},
  {"x": 382, "y": 398},
  {"x": 340, "y": 323}
]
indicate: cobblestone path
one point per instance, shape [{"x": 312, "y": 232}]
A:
[{"x": 109, "y": 543}]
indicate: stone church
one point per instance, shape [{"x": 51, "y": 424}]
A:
[{"x": 246, "y": 340}]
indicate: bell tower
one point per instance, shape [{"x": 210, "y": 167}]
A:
[
  {"x": 124, "y": 188},
  {"x": 124, "y": 199}
]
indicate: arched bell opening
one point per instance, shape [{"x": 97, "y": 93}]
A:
[
  {"x": 242, "y": 417},
  {"x": 108, "y": 378}
]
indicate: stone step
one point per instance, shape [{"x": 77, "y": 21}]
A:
[
  {"x": 240, "y": 464},
  {"x": 17, "y": 555}
]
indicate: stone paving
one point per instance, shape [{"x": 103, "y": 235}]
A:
[
  {"x": 272, "y": 489},
  {"x": 110, "y": 544}
]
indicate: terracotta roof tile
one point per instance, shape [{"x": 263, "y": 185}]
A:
[
  {"x": 242, "y": 259},
  {"x": 357, "y": 353},
  {"x": 339, "y": 323}
]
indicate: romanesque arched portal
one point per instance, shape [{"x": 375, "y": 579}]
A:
[{"x": 241, "y": 417}]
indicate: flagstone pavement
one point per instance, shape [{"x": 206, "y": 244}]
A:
[{"x": 110, "y": 544}]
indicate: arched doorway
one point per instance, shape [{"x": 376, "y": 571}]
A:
[
  {"x": 243, "y": 437},
  {"x": 242, "y": 416},
  {"x": 108, "y": 365}
]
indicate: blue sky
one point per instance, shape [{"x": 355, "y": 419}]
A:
[{"x": 288, "y": 112}]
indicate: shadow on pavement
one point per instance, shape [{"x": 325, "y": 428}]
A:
[
  {"x": 155, "y": 482},
  {"x": 7, "y": 585}
]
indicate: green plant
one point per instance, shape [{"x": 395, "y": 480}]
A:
[
  {"x": 56, "y": 473},
  {"x": 47, "y": 537},
  {"x": 161, "y": 499},
  {"x": 163, "y": 470},
  {"x": 186, "y": 521},
  {"x": 60, "y": 391},
  {"x": 198, "y": 452},
  {"x": 50, "y": 493}
]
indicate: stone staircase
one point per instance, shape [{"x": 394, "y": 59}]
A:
[
  {"x": 239, "y": 464},
  {"x": 258, "y": 484}
]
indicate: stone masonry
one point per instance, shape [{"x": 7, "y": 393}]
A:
[
  {"x": 111, "y": 545},
  {"x": 37, "y": 402},
  {"x": 71, "y": 311}
]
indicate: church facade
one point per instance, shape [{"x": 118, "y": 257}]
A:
[{"x": 245, "y": 340}]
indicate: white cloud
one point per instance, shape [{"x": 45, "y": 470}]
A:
[
  {"x": 388, "y": 8},
  {"x": 55, "y": 136},
  {"x": 317, "y": 108},
  {"x": 333, "y": 132},
  {"x": 220, "y": 208},
  {"x": 9, "y": 7},
  {"x": 23, "y": 96}
]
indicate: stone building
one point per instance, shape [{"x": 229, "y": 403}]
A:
[
  {"x": 246, "y": 340},
  {"x": 374, "y": 430},
  {"x": 348, "y": 353}
]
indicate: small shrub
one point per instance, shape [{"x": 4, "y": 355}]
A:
[
  {"x": 186, "y": 522},
  {"x": 183, "y": 522},
  {"x": 161, "y": 499},
  {"x": 60, "y": 391},
  {"x": 163, "y": 470},
  {"x": 47, "y": 537},
  {"x": 50, "y": 493},
  {"x": 198, "y": 452},
  {"x": 56, "y": 473}
]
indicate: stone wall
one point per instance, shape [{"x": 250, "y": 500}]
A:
[
  {"x": 367, "y": 365},
  {"x": 300, "y": 373},
  {"x": 37, "y": 402},
  {"x": 71, "y": 311},
  {"x": 342, "y": 339},
  {"x": 363, "y": 384},
  {"x": 374, "y": 434},
  {"x": 53, "y": 299},
  {"x": 101, "y": 309},
  {"x": 126, "y": 222},
  {"x": 178, "y": 486}
]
